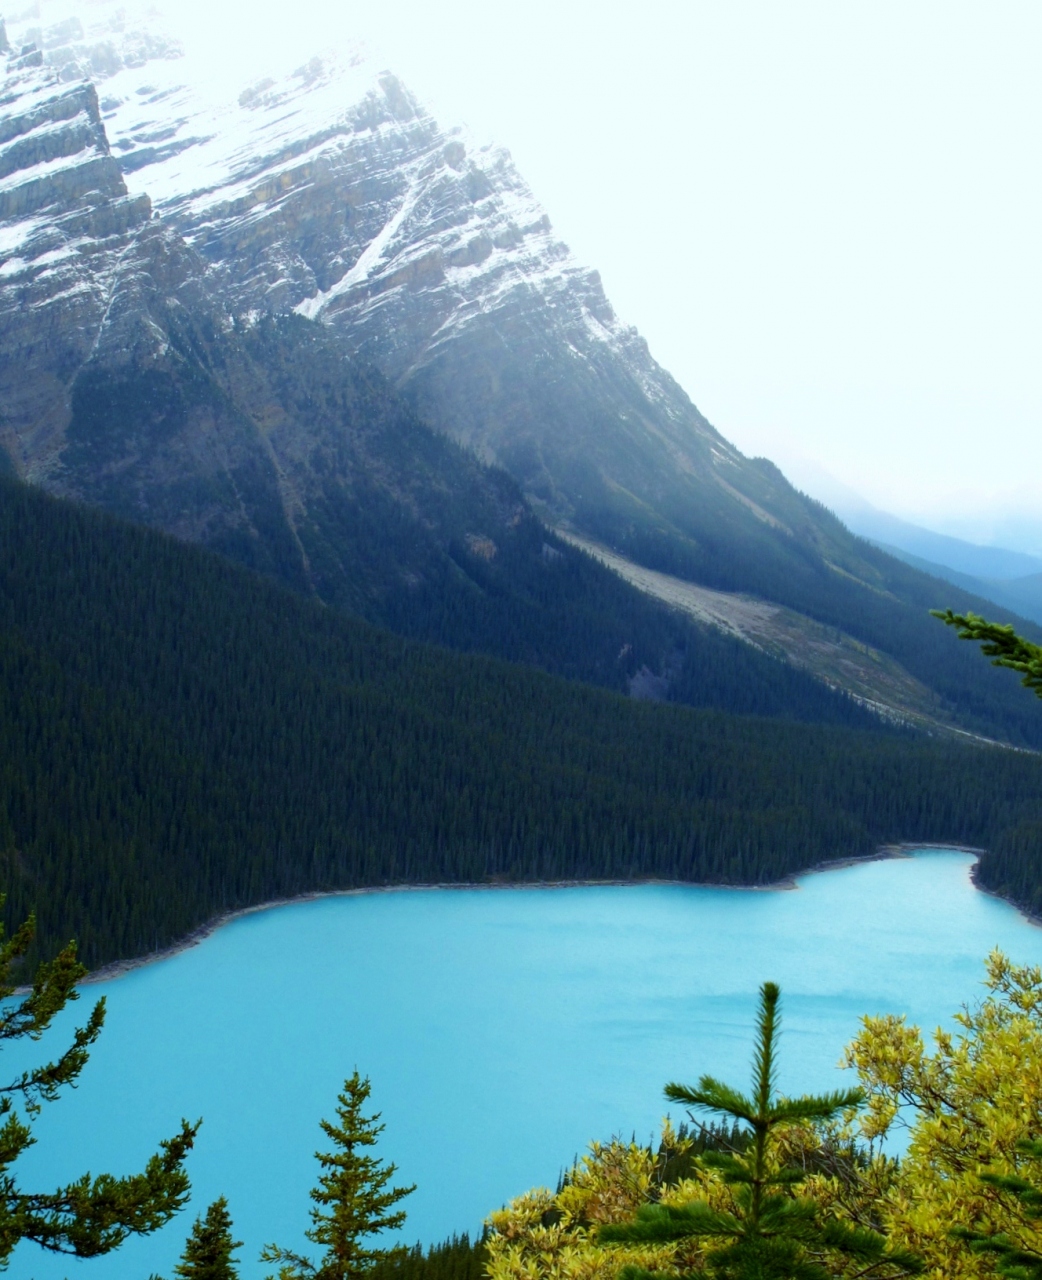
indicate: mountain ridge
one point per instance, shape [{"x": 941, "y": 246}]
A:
[{"x": 332, "y": 193}]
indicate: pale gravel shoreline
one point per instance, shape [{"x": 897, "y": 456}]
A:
[{"x": 119, "y": 968}]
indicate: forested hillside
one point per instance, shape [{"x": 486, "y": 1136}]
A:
[
  {"x": 182, "y": 737},
  {"x": 332, "y": 484},
  {"x": 387, "y": 520}
]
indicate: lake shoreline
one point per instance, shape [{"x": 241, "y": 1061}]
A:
[{"x": 119, "y": 968}]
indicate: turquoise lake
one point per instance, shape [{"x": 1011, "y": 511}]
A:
[{"x": 503, "y": 1029}]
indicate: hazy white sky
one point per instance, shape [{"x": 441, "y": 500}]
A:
[{"x": 825, "y": 217}]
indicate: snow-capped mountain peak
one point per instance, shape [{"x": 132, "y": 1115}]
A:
[{"x": 329, "y": 190}]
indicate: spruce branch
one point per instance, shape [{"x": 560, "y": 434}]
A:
[{"x": 1000, "y": 643}]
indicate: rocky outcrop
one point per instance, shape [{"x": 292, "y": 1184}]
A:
[
  {"x": 66, "y": 220},
  {"x": 333, "y": 193}
]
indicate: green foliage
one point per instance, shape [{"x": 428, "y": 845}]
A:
[
  {"x": 966, "y": 1103},
  {"x": 90, "y": 1216},
  {"x": 1022, "y": 1199},
  {"x": 1001, "y": 644},
  {"x": 456, "y": 1259},
  {"x": 770, "y": 1233},
  {"x": 183, "y": 738},
  {"x": 208, "y": 1250},
  {"x": 352, "y": 1199}
]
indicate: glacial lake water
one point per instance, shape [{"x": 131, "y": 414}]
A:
[{"x": 503, "y": 1029}]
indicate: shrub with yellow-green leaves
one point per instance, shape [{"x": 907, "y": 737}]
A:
[
  {"x": 964, "y": 1199},
  {"x": 968, "y": 1106},
  {"x": 544, "y": 1235}
]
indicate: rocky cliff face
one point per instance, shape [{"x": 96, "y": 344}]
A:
[
  {"x": 333, "y": 192},
  {"x": 66, "y": 220}
]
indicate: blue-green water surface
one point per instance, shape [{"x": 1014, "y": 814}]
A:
[{"x": 502, "y": 1030}]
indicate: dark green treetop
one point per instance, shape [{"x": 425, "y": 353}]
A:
[
  {"x": 770, "y": 1233},
  {"x": 208, "y": 1250},
  {"x": 352, "y": 1199},
  {"x": 999, "y": 643},
  {"x": 93, "y": 1215}
]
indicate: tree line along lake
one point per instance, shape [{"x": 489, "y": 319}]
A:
[{"x": 503, "y": 1030}]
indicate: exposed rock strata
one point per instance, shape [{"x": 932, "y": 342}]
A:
[
  {"x": 66, "y": 221},
  {"x": 332, "y": 192}
]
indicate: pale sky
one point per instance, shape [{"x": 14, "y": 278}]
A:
[{"x": 824, "y": 217}]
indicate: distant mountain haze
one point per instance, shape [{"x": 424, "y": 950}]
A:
[
  {"x": 1010, "y": 579},
  {"x": 236, "y": 312},
  {"x": 986, "y": 562},
  {"x": 1023, "y": 595}
]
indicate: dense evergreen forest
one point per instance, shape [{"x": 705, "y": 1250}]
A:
[
  {"x": 182, "y": 737},
  {"x": 400, "y": 526},
  {"x": 458, "y": 1258},
  {"x": 396, "y": 523}
]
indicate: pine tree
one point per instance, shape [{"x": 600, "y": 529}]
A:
[
  {"x": 771, "y": 1233},
  {"x": 208, "y": 1250},
  {"x": 352, "y": 1201},
  {"x": 91, "y": 1216}
]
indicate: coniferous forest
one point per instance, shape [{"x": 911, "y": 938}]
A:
[{"x": 183, "y": 738}]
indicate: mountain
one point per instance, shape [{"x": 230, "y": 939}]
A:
[
  {"x": 988, "y": 564},
  {"x": 1021, "y": 594},
  {"x": 126, "y": 383},
  {"x": 1012, "y": 580},
  {"x": 184, "y": 737},
  {"x": 134, "y": 377}
]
